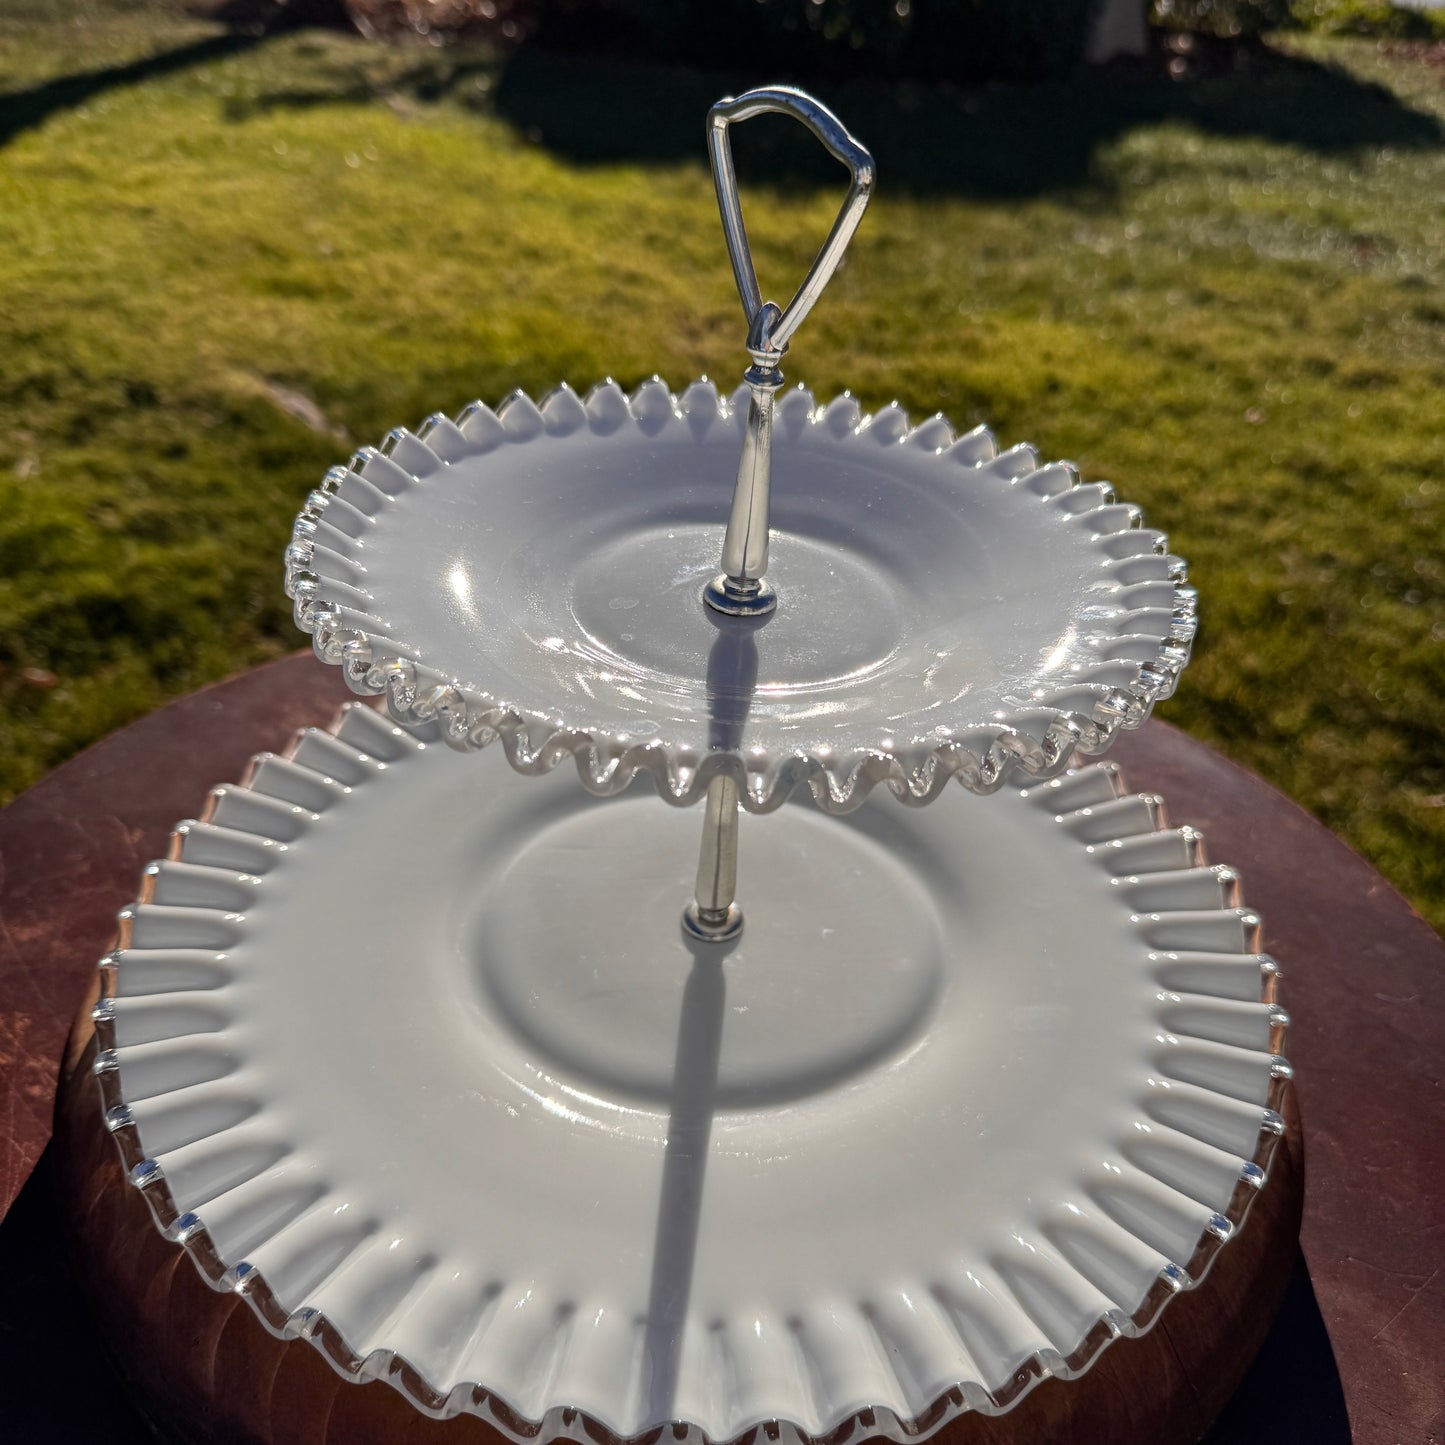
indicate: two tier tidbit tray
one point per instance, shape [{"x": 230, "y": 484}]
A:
[{"x": 916, "y": 1108}]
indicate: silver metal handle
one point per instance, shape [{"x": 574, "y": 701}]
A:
[
  {"x": 784, "y": 100},
  {"x": 740, "y": 589}
]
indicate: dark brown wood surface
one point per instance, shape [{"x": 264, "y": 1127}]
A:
[
  {"x": 1364, "y": 981},
  {"x": 71, "y": 853},
  {"x": 1364, "y": 984}
]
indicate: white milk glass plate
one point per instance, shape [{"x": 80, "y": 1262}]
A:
[
  {"x": 536, "y": 575},
  {"x": 416, "y": 1057}
]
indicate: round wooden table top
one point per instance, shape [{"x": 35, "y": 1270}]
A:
[{"x": 1364, "y": 982}]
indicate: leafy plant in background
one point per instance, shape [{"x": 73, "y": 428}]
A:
[
  {"x": 958, "y": 40},
  {"x": 953, "y": 40},
  {"x": 1230, "y": 19},
  {"x": 922, "y": 39}
]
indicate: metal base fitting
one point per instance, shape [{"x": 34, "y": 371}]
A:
[
  {"x": 739, "y": 599},
  {"x": 712, "y": 925}
]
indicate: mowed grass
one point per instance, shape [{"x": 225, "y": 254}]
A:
[{"x": 1225, "y": 296}]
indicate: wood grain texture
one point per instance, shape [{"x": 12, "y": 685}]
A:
[
  {"x": 206, "y": 1366},
  {"x": 1364, "y": 983},
  {"x": 71, "y": 853}
]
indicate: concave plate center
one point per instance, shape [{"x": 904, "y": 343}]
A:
[
  {"x": 575, "y": 947},
  {"x": 638, "y": 601}
]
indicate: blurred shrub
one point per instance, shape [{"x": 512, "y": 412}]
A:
[
  {"x": 957, "y": 40},
  {"x": 506, "y": 20},
  {"x": 1369, "y": 17},
  {"x": 947, "y": 40},
  {"x": 1227, "y": 18}
]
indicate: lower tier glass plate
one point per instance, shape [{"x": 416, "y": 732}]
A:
[{"x": 415, "y": 1055}]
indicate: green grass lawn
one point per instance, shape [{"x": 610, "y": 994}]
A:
[{"x": 1227, "y": 296}]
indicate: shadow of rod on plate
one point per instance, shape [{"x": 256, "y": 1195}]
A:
[
  {"x": 732, "y": 674},
  {"x": 684, "y": 1167}
]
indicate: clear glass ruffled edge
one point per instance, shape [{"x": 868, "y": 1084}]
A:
[
  {"x": 1031, "y": 744},
  {"x": 358, "y": 724}
]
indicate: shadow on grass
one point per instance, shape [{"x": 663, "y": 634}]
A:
[
  {"x": 23, "y": 110},
  {"x": 984, "y": 141},
  {"x": 987, "y": 141}
]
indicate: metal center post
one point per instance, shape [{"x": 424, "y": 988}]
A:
[{"x": 741, "y": 590}]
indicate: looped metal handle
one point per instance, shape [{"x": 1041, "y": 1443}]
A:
[
  {"x": 740, "y": 589},
  {"x": 784, "y": 100}
]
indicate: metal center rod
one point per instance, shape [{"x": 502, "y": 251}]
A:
[
  {"x": 740, "y": 589},
  {"x": 713, "y": 916}
]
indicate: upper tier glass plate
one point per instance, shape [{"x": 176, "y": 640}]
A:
[{"x": 535, "y": 575}]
